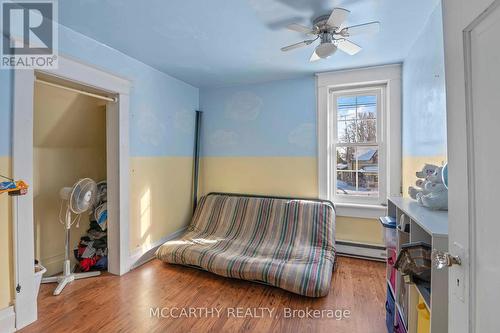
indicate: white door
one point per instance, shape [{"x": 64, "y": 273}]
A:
[{"x": 472, "y": 57}]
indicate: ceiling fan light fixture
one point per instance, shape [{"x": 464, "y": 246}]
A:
[
  {"x": 333, "y": 34},
  {"x": 325, "y": 50}
]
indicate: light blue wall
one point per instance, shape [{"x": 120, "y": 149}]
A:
[
  {"x": 161, "y": 107},
  {"x": 279, "y": 118},
  {"x": 424, "y": 96},
  {"x": 268, "y": 119},
  {"x": 5, "y": 112}
]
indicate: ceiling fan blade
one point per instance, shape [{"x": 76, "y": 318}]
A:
[
  {"x": 338, "y": 16},
  {"x": 349, "y": 47},
  {"x": 300, "y": 28},
  {"x": 297, "y": 45},
  {"x": 314, "y": 57},
  {"x": 366, "y": 28}
]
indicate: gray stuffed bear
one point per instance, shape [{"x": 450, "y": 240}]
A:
[{"x": 430, "y": 191}]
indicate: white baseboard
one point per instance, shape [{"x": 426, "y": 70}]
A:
[
  {"x": 54, "y": 264},
  {"x": 145, "y": 253},
  {"x": 358, "y": 250},
  {"x": 7, "y": 320}
]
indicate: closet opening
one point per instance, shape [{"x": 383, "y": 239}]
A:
[{"x": 69, "y": 180}]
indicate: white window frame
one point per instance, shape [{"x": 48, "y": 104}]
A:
[
  {"x": 334, "y": 93},
  {"x": 390, "y": 77}
]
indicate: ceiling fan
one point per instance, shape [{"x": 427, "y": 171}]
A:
[{"x": 332, "y": 35}]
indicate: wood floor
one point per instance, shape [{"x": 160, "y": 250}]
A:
[{"x": 123, "y": 304}]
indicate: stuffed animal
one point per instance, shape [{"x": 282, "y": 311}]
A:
[
  {"x": 423, "y": 174},
  {"x": 436, "y": 199},
  {"x": 427, "y": 170},
  {"x": 430, "y": 192}
]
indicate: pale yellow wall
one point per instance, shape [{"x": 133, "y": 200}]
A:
[
  {"x": 69, "y": 144},
  {"x": 160, "y": 198},
  {"x": 366, "y": 231},
  {"x": 285, "y": 176},
  {"x": 6, "y": 263},
  {"x": 413, "y": 164}
]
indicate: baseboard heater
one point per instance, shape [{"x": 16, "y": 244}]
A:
[{"x": 358, "y": 250}]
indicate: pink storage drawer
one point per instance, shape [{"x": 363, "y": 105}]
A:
[{"x": 391, "y": 271}]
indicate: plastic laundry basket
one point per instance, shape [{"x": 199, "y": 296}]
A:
[
  {"x": 39, "y": 271},
  {"x": 388, "y": 231}
]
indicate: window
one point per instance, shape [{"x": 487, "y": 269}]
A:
[
  {"x": 356, "y": 131},
  {"x": 359, "y": 138}
]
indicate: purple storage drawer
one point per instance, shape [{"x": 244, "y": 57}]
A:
[{"x": 399, "y": 328}]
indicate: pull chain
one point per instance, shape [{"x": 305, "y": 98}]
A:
[{"x": 18, "y": 286}]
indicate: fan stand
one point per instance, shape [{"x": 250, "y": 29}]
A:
[{"x": 67, "y": 276}]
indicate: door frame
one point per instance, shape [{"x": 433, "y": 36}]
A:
[
  {"x": 117, "y": 146},
  {"x": 460, "y": 17},
  {"x": 471, "y": 155}
]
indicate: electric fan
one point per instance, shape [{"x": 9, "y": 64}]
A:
[{"x": 78, "y": 199}]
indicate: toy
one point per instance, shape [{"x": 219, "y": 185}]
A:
[
  {"x": 445, "y": 175},
  {"x": 423, "y": 174},
  {"x": 436, "y": 199},
  {"x": 427, "y": 170},
  {"x": 430, "y": 191},
  {"x": 14, "y": 187}
]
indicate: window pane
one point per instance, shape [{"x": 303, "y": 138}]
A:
[
  {"x": 346, "y": 131},
  {"x": 346, "y": 158},
  {"x": 368, "y": 184},
  {"x": 346, "y": 108},
  {"x": 366, "y": 106},
  {"x": 367, "y": 170},
  {"x": 357, "y": 119},
  {"x": 357, "y": 171},
  {"x": 346, "y": 182},
  {"x": 367, "y": 159},
  {"x": 366, "y": 131}
]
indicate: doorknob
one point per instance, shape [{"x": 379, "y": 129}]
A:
[{"x": 441, "y": 259}]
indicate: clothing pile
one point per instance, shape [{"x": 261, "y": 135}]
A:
[{"x": 92, "y": 250}]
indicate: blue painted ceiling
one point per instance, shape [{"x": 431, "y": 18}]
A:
[{"x": 228, "y": 42}]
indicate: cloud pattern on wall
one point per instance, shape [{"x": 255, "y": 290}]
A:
[
  {"x": 184, "y": 121},
  {"x": 276, "y": 118},
  {"x": 303, "y": 136},
  {"x": 424, "y": 93},
  {"x": 154, "y": 96},
  {"x": 152, "y": 131},
  {"x": 224, "y": 138},
  {"x": 243, "y": 106}
]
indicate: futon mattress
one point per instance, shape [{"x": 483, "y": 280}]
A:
[{"x": 287, "y": 243}]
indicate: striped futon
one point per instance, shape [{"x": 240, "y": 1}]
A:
[{"x": 287, "y": 243}]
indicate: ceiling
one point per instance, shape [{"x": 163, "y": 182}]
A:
[{"x": 228, "y": 42}]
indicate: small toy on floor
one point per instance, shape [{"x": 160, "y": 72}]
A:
[{"x": 430, "y": 191}]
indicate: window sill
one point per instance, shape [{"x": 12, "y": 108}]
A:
[{"x": 360, "y": 210}]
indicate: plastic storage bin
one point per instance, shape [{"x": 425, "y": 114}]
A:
[
  {"x": 415, "y": 260},
  {"x": 39, "y": 271},
  {"x": 399, "y": 328},
  {"x": 391, "y": 271},
  {"x": 390, "y": 308},
  {"x": 389, "y": 231},
  {"x": 402, "y": 297},
  {"x": 423, "y": 317}
]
